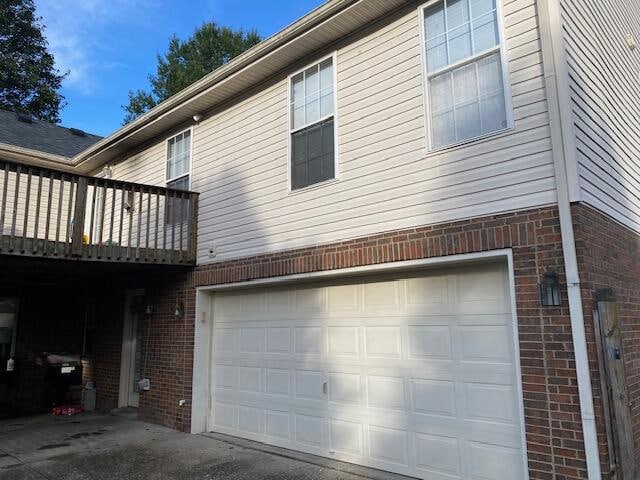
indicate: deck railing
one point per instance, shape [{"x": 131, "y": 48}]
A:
[{"x": 51, "y": 213}]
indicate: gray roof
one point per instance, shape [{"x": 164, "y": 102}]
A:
[{"x": 43, "y": 136}]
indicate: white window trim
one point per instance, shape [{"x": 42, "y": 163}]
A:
[
  {"x": 166, "y": 157},
  {"x": 291, "y": 131},
  {"x": 506, "y": 81}
]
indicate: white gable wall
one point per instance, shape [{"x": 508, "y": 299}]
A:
[
  {"x": 604, "y": 78},
  {"x": 387, "y": 178}
]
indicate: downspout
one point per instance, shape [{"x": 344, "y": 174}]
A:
[{"x": 554, "y": 60}]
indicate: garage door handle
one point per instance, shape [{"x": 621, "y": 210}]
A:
[{"x": 324, "y": 388}]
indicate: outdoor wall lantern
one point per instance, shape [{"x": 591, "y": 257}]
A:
[
  {"x": 550, "y": 290},
  {"x": 178, "y": 310}
]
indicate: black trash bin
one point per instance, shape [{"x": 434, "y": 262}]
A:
[{"x": 62, "y": 372}]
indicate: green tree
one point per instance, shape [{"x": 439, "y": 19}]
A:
[
  {"x": 29, "y": 81},
  {"x": 210, "y": 47}
]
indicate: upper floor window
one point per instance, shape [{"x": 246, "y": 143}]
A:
[
  {"x": 178, "y": 175},
  {"x": 179, "y": 161},
  {"x": 466, "y": 79},
  {"x": 312, "y": 126}
]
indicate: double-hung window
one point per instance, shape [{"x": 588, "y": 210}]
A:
[
  {"x": 312, "y": 125},
  {"x": 464, "y": 60},
  {"x": 178, "y": 173}
]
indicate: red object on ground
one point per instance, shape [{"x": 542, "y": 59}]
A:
[{"x": 66, "y": 410}]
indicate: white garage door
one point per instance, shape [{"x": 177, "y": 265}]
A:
[{"x": 414, "y": 375}]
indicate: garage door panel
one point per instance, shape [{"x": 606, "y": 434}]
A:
[
  {"x": 438, "y": 455},
  {"x": 494, "y": 461},
  {"x": 345, "y": 388},
  {"x": 308, "y": 340},
  {"x": 278, "y": 424},
  {"x": 250, "y": 379},
  {"x": 432, "y": 342},
  {"x": 250, "y": 419},
  {"x": 386, "y": 392},
  {"x": 310, "y": 430},
  {"x": 481, "y": 291},
  {"x": 382, "y": 295},
  {"x": 278, "y": 340},
  {"x": 344, "y": 298},
  {"x": 490, "y": 403},
  {"x": 389, "y": 445},
  {"x": 486, "y": 344},
  {"x": 414, "y": 375},
  {"x": 343, "y": 341},
  {"x": 346, "y": 437},
  {"x": 310, "y": 300},
  {"x": 433, "y": 397},
  {"x": 383, "y": 341},
  {"x": 224, "y": 414}
]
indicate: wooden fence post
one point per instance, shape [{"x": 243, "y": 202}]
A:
[{"x": 616, "y": 381}]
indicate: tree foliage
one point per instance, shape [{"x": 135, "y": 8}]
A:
[
  {"x": 29, "y": 81},
  {"x": 185, "y": 62}
]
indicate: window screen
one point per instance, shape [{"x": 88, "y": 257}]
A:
[{"x": 464, "y": 69}]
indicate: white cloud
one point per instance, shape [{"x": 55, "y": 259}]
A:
[{"x": 73, "y": 30}]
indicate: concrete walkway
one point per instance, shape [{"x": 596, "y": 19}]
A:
[{"x": 92, "y": 446}]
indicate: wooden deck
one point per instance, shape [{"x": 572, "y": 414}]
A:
[{"x": 52, "y": 214}]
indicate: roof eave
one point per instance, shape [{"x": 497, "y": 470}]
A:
[
  {"x": 36, "y": 158},
  {"x": 309, "y": 21}
]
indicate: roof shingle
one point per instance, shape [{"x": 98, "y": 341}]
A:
[{"x": 42, "y": 136}]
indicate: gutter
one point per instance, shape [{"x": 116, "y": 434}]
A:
[
  {"x": 36, "y": 158},
  {"x": 563, "y": 147}
]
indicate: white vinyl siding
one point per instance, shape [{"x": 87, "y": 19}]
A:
[
  {"x": 464, "y": 61},
  {"x": 388, "y": 178},
  {"x": 603, "y": 80}
]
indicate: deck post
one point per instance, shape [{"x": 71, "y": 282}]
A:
[
  {"x": 78, "y": 217},
  {"x": 192, "y": 252}
]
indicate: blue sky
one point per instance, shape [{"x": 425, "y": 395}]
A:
[{"x": 110, "y": 46}]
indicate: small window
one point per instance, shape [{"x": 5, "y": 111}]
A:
[
  {"x": 178, "y": 175},
  {"x": 464, "y": 60},
  {"x": 179, "y": 159},
  {"x": 313, "y": 125}
]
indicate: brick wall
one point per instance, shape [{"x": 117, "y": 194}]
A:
[
  {"x": 552, "y": 412},
  {"x": 167, "y": 351},
  {"x": 609, "y": 257}
]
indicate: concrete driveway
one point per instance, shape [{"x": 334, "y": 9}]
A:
[{"x": 92, "y": 446}]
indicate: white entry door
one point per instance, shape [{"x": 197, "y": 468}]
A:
[
  {"x": 131, "y": 349},
  {"x": 414, "y": 374}
]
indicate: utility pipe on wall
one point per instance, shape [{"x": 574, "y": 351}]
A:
[{"x": 554, "y": 60}]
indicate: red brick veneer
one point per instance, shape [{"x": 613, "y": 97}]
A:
[
  {"x": 609, "y": 257},
  {"x": 552, "y": 411}
]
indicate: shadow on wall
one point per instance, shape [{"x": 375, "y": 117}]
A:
[{"x": 167, "y": 338}]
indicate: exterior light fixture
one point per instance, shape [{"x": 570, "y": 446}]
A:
[
  {"x": 178, "y": 310},
  {"x": 550, "y": 290}
]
